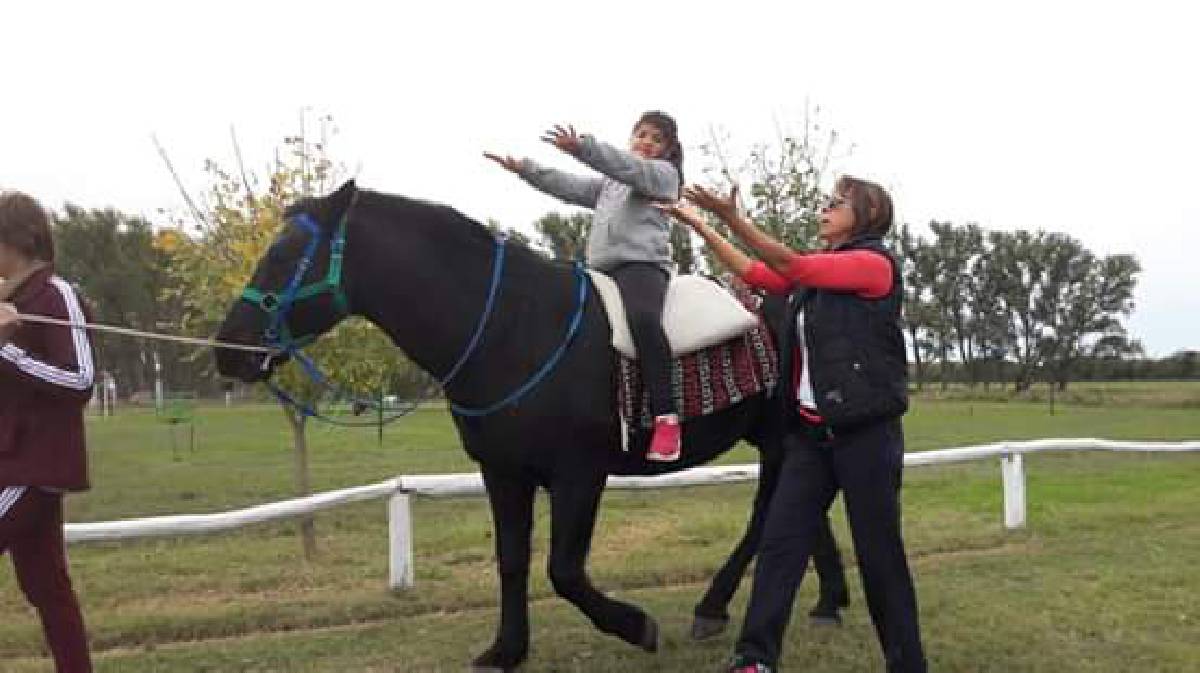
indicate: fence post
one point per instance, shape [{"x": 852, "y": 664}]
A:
[
  {"x": 1012, "y": 471},
  {"x": 400, "y": 547}
]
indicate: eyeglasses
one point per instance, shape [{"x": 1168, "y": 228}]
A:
[{"x": 833, "y": 202}]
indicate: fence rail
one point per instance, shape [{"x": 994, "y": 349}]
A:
[{"x": 400, "y": 489}]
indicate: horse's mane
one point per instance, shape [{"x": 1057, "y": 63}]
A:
[
  {"x": 443, "y": 217},
  {"x": 448, "y": 219},
  {"x": 397, "y": 209}
]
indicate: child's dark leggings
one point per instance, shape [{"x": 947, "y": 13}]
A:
[
  {"x": 32, "y": 532},
  {"x": 643, "y": 289}
]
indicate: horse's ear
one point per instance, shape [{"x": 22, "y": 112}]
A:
[{"x": 336, "y": 204}]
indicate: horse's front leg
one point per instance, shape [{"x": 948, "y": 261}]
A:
[
  {"x": 511, "y": 497},
  {"x": 573, "y": 505}
]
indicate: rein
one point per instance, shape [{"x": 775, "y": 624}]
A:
[
  {"x": 191, "y": 341},
  {"x": 10, "y": 286}
]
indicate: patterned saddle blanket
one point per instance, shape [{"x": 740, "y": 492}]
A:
[{"x": 705, "y": 381}]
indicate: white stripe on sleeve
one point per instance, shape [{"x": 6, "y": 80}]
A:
[{"x": 80, "y": 380}]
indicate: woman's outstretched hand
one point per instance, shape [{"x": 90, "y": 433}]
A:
[
  {"x": 683, "y": 212},
  {"x": 507, "y": 162},
  {"x": 733, "y": 259},
  {"x": 724, "y": 207},
  {"x": 564, "y": 138}
]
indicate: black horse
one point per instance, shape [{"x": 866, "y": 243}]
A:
[{"x": 421, "y": 272}]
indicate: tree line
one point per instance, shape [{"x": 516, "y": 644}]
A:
[{"x": 981, "y": 306}]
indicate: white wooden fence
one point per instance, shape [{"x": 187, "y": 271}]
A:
[{"x": 400, "y": 489}]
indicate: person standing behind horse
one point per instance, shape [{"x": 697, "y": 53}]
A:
[
  {"x": 629, "y": 240},
  {"x": 842, "y": 424},
  {"x": 46, "y": 376}
]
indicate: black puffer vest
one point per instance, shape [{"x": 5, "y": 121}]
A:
[{"x": 857, "y": 365}]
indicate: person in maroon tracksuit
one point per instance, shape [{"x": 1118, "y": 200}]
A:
[{"x": 46, "y": 375}]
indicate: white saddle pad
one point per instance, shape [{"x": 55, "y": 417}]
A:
[{"x": 698, "y": 313}]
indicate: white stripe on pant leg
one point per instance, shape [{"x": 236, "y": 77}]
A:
[{"x": 8, "y": 497}]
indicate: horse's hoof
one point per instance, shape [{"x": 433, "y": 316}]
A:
[
  {"x": 494, "y": 662},
  {"x": 704, "y": 628},
  {"x": 649, "y": 641},
  {"x": 489, "y": 668}
]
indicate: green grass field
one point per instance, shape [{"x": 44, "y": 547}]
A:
[{"x": 1104, "y": 579}]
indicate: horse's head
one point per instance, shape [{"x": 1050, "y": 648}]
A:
[{"x": 297, "y": 291}]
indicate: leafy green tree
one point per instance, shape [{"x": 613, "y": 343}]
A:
[
  {"x": 919, "y": 271},
  {"x": 782, "y": 183},
  {"x": 514, "y": 235},
  {"x": 683, "y": 253},
  {"x": 213, "y": 258},
  {"x": 954, "y": 251},
  {"x": 565, "y": 236},
  {"x": 991, "y": 332},
  {"x": 113, "y": 259},
  {"x": 1083, "y": 298},
  {"x": 1017, "y": 260}
]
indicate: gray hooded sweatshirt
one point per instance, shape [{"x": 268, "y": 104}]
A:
[{"x": 626, "y": 227}]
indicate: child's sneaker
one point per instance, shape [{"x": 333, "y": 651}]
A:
[{"x": 664, "y": 446}]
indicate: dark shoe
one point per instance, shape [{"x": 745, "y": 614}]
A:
[{"x": 825, "y": 612}]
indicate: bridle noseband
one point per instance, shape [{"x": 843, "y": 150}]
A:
[{"x": 277, "y": 335}]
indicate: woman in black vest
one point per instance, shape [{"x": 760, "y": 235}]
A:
[{"x": 842, "y": 413}]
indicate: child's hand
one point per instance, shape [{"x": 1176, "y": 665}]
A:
[
  {"x": 564, "y": 139},
  {"x": 9, "y": 320},
  {"x": 724, "y": 207},
  {"x": 509, "y": 163}
]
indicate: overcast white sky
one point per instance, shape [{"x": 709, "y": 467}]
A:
[{"x": 1070, "y": 116}]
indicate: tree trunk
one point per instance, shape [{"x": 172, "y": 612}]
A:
[
  {"x": 1063, "y": 376},
  {"x": 967, "y": 355},
  {"x": 307, "y": 523},
  {"x": 916, "y": 349},
  {"x": 945, "y": 368},
  {"x": 1024, "y": 377}
]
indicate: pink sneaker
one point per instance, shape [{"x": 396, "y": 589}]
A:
[{"x": 664, "y": 446}]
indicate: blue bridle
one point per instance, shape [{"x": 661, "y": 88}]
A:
[
  {"x": 279, "y": 337},
  {"x": 277, "y": 306}
]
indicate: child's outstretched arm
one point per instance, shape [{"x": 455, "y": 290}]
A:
[
  {"x": 652, "y": 178},
  {"x": 575, "y": 189}
]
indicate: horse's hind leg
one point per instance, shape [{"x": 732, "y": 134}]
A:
[
  {"x": 711, "y": 613},
  {"x": 573, "y": 505},
  {"x": 832, "y": 577},
  {"x": 511, "y": 498}
]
